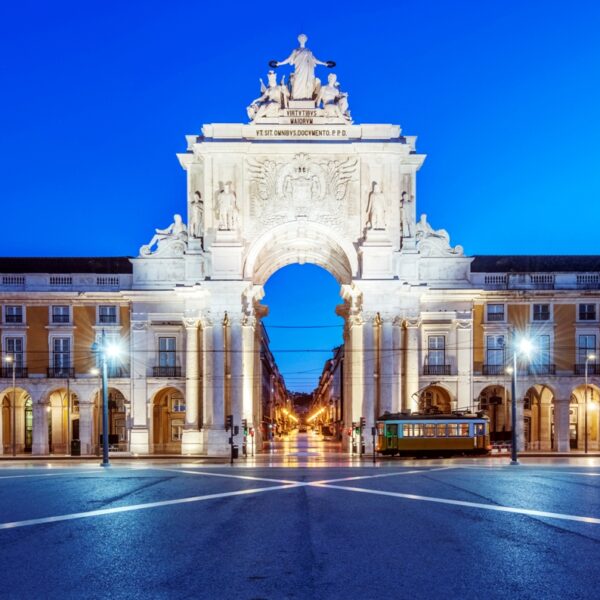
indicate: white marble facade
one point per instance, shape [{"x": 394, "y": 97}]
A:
[{"x": 299, "y": 183}]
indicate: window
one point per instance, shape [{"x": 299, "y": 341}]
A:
[
  {"x": 542, "y": 350},
  {"x": 177, "y": 403},
  {"x": 587, "y": 312},
  {"x": 495, "y": 351},
  {"x": 452, "y": 429},
  {"x": 495, "y": 312},
  {"x": 441, "y": 430},
  {"x": 463, "y": 430},
  {"x": 407, "y": 430},
  {"x": 586, "y": 345},
  {"x": 60, "y": 314},
  {"x": 429, "y": 430},
  {"x": 480, "y": 429},
  {"x": 392, "y": 430},
  {"x": 13, "y": 314},
  {"x": 436, "y": 350},
  {"x": 176, "y": 430},
  {"x": 541, "y": 312},
  {"x": 61, "y": 353},
  {"x": 166, "y": 351},
  {"x": 13, "y": 347},
  {"x": 418, "y": 430},
  {"x": 107, "y": 314}
]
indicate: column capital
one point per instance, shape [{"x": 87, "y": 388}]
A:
[
  {"x": 463, "y": 323},
  {"x": 139, "y": 325},
  {"x": 234, "y": 318},
  {"x": 354, "y": 320},
  {"x": 412, "y": 322},
  {"x": 249, "y": 321},
  {"x": 398, "y": 321},
  {"x": 371, "y": 316},
  {"x": 191, "y": 322}
]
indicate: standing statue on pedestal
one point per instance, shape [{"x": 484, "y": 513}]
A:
[
  {"x": 376, "y": 208},
  {"x": 405, "y": 219},
  {"x": 271, "y": 100},
  {"x": 197, "y": 216},
  {"x": 227, "y": 209},
  {"x": 173, "y": 239},
  {"x": 334, "y": 101},
  {"x": 304, "y": 62}
]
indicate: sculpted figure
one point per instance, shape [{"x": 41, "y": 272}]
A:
[
  {"x": 434, "y": 242},
  {"x": 376, "y": 208},
  {"x": 197, "y": 216},
  {"x": 272, "y": 98},
  {"x": 163, "y": 238},
  {"x": 405, "y": 219},
  {"x": 227, "y": 208},
  {"x": 304, "y": 62},
  {"x": 332, "y": 98}
]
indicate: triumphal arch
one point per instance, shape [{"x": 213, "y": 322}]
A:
[{"x": 299, "y": 182}]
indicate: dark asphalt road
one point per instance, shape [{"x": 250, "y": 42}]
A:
[{"x": 308, "y": 541}]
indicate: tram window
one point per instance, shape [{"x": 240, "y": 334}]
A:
[
  {"x": 418, "y": 430},
  {"x": 392, "y": 430},
  {"x": 380, "y": 427},
  {"x": 479, "y": 428},
  {"x": 452, "y": 429},
  {"x": 429, "y": 430},
  {"x": 407, "y": 430},
  {"x": 463, "y": 430},
  {"x": 441, "y": 430}
]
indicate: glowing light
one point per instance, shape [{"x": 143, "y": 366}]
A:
[
  {"x": 8, "y": 359},
  {"x": 112, "y": 350},
  {"x": 315, "y": 415},
  {"x": 591, "y": 357},
  {"x": 525, "y": 346},
  {"x": 95, "y": 371}
]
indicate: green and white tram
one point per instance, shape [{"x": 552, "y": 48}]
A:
[{"x": 433, "y": 434}]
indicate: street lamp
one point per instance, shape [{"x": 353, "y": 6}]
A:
[
  {"x": 523, "y": 346},
  {"x": 106, "y": 351},
  {"x": 585, "y": 396},
  {"x": 12, "y": 360}
]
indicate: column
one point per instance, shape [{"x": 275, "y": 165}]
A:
[
  {"x": 207, "y": 369},
  {"x": 191, "y": 442},
  {"x": 561, "y": 425},
  {"x": 248, "y": 328},
  {"x": 86, "y": 429},
  {"x": 411, "y": 377},
  {"x": 464, "y": 363},
  {"x": 215, "y": 437},
  {"x": 387, "y": 377},
  {"x": 236, "y": 357},
  {"x": 139, "y": 357},
  {"x": 369, "y": 378},
  {"x": 545, "y": 416},
  {"x": 355, "y": 357},
  {"x": 397, "y": 357},
  {"x": 40, "y": 429}
]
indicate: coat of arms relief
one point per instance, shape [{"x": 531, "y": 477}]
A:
[{"x": 317, "y": 189}]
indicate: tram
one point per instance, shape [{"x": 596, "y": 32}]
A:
[{"x": 433, "y": 434}]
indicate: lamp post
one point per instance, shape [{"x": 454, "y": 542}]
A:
[
  {"x": 585, "y": 395},
  {"x": 106, "y": 351},
  {"x": 524, "y": 346},
  {"x": 12, "y": 360}
]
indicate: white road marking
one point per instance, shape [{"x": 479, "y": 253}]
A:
[
  {"x": 72, "y": 473},
  {"x": 145, "y": 506},
  {"x": 229, "y": 476},
  {"x": 379, "y": 475},
  {"x": 507, "y": 509}
]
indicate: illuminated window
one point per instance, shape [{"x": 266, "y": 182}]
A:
[
  {"x": 480, "y": 429},
  {"x": 429, "y": 430},
  {"x": 176, "y": 430},
  {"x": 463, "y": 430},
  {"x": 407, "y": 430},
  {"x": 452, "y": 429},
  {"x": 441, "y": 430},
  {"x": 418, "y": 430}
]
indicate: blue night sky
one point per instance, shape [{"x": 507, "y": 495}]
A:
[{"x": 97, "y": 97}]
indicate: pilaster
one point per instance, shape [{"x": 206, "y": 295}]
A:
[
  {"x": 86, "y": 427},
  {"x": 397, "y": 357},
  {"x": 191, "y": 442},
  {"x": 411, "y": 402},
  {"x": 40, "y": 429},
  {"x": 561, "y": 425},
  {"x": 140, "y": 437},
  {"x": 387, "y": 358},
  {"x": 464, "y": 363}
]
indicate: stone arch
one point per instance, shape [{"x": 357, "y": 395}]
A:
[
  {"x": 301, "y": 242},
  {"x": 494, "y": 400},
  {"x": 435, "y": 399},
  {"x": 61, "y": 413},
  {"x": 15, "y": 421},
  {"x": 118, "y": 417},
  {"x": 168, "y": 420},
  {"x": 538, "y": 417}
]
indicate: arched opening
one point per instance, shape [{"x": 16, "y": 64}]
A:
[
  {"x": 17, "y": 421},
  {"x": 435, "y": 399},
  {"x": 62, "y": 411},
  {"x": 494, "y": 401},
  {"x": 168, "y": 420},
  {"x": 118, "y": 417},
  {"x": 585, "y": 411},
  {"x": 302, "y": 393},
  {"x": 538, "y": 418}
]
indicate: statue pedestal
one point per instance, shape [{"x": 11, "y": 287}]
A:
[
  {"x": 303, "y": 104},
  {"x": 216, "y": 442},
  {"x": 191, "y": 442},
  {"x": 376, "y": 255},
  {"x": 226, "y": 252}
]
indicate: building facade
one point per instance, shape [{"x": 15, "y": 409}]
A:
[{"x": 300, "y": 182}]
